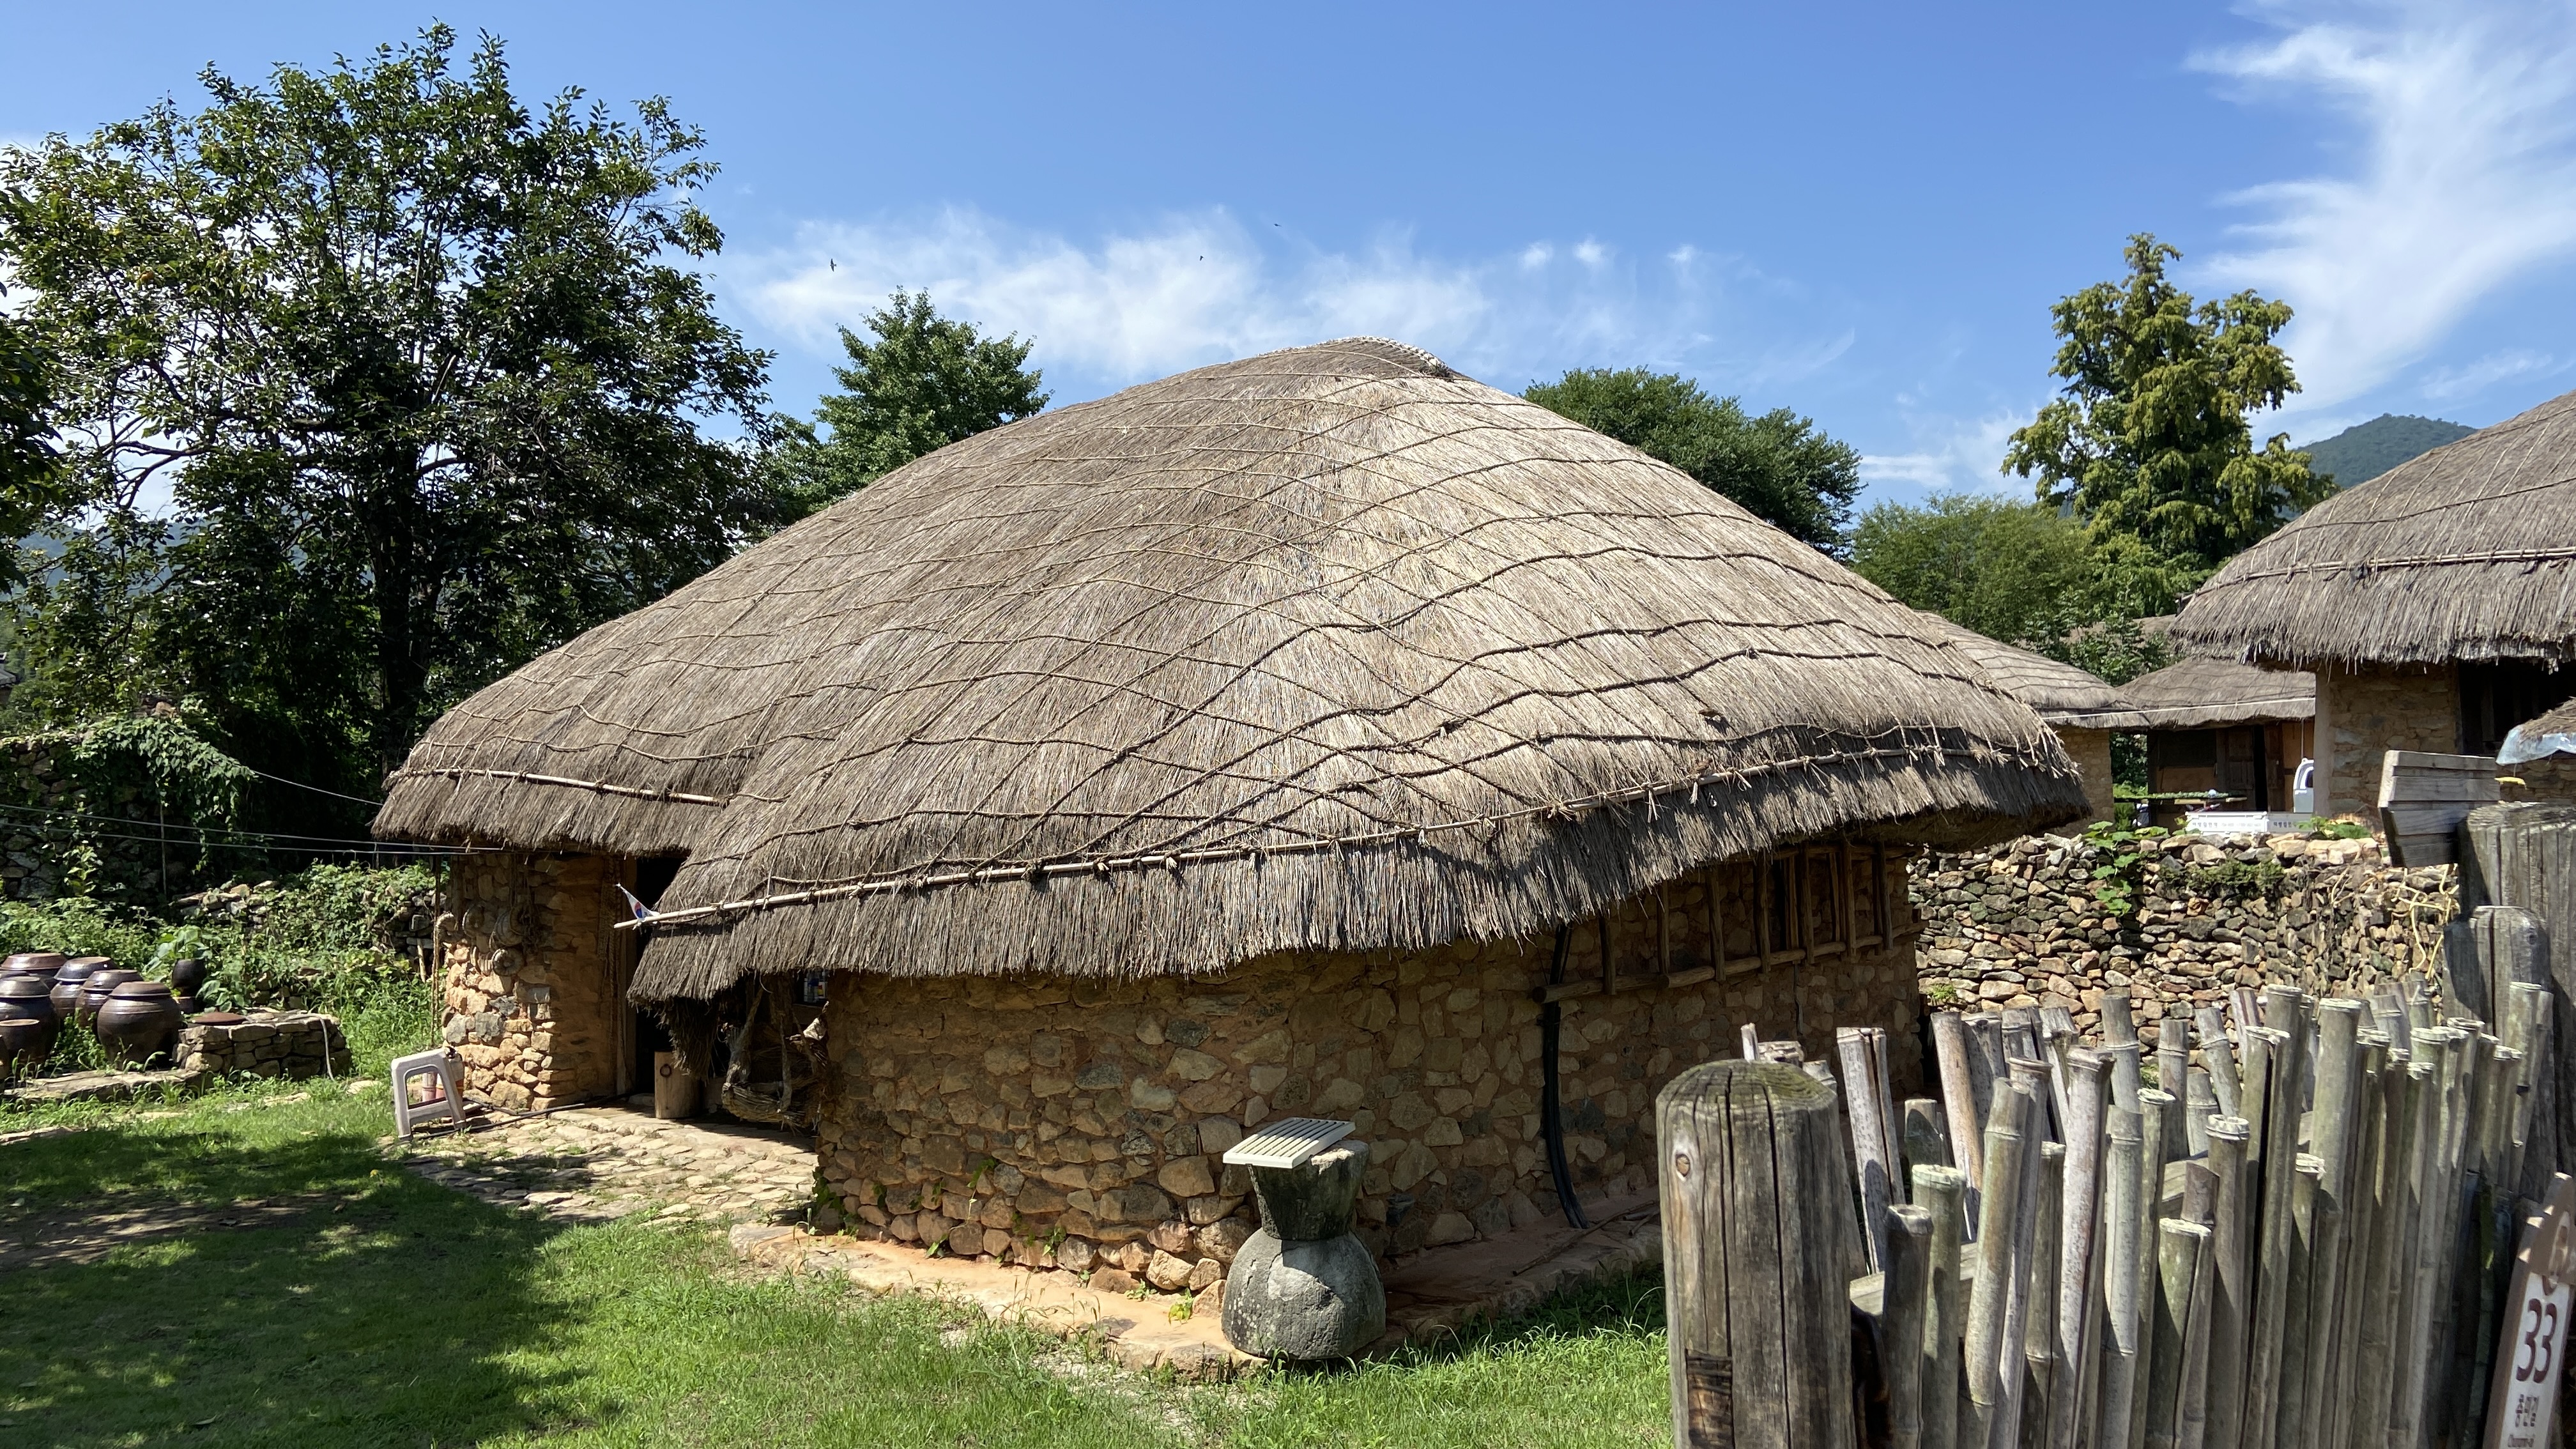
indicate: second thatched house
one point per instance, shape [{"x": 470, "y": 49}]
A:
[
  {"x": 1322, "y": 733},
  {"x": 2435, "y": 604},
  {"x": 2083, "y": 709},
  {"x": 2214, "y": 725}
]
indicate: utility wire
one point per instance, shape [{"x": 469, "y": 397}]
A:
[
  {"x": 338, "y": 840},
  {"x": 316, "y": 789}
]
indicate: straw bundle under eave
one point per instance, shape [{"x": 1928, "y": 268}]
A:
[
  {"x": 2466, "y": 553},
  {"x": 1328, "y": 648},
  {"x": 2210, "y": 693}
]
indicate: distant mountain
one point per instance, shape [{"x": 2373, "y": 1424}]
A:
[{"x": 2366, "y": 450}]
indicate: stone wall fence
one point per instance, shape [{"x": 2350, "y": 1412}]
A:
[{"x": 2175, "y": 921}]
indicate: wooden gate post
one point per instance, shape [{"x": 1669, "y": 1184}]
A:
[{"x": 1757, "y": 1203}]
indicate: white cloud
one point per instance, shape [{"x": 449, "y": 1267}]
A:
[
  {"x": 1952, "y": 454},
  {"x": 2463, "y": 175},
  {"x": 1198, "y": 287},
  {"x": 2449, "y": 383}
]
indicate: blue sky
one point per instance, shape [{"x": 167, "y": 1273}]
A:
[{"x": 1861, "y": 212}]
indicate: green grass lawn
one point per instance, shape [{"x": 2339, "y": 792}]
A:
[{"x": 322, "y": 1297}]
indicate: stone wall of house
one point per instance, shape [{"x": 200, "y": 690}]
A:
[
  {"x": 532, "y": 975},
  {"x": 1079, "y": 1124},
  {"x": 2091, "y": 750},
  {"x": 2363, "y": 714},
  {"x": 2025, "y": 923},
  {"x": 292, "y": 1045}
]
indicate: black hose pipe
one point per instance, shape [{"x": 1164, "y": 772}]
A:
[{"x": 1551, "y": 1105}]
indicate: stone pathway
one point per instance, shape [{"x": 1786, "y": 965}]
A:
[{"x": 593, "y": 1164}]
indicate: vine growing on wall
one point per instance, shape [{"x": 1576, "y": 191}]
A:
[{"x": 2120, "y": 868}]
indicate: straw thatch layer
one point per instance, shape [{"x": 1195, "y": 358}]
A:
[
  {"x": 1329, "y": 648},
  {"x": 2468, "y": 552},
  {"x": 2210, "y": 693},
  {"x": 2064, "y": 695}
]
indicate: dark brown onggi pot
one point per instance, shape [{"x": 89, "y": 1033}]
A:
[
  {"x": 34, "y": 963},
  {"x": 28, "y": 998},
  {"x": 69, "y": 978},
  {"x": 94, "y": 991},
  {"x": 137, "y": 1022},
  {"x": 187, "y": 974},
  {"x": 20, "y": 1038}
]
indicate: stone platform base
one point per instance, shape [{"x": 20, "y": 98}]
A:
[
  {"x": 1430, "y": 1295},
  {"x": 99, "y": 1087},
  {"x": 590, "y": 1164}
]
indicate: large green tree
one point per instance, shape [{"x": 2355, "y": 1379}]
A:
[
  {"x": 1777, "y": 464},
  {"x": 372, "y": 382},
  {"x": 2151, "y": 437},
  {"x": 2006, "y": 569},
  {"x": 924, "y": 383},
  {"x": 31, "y": 474}
]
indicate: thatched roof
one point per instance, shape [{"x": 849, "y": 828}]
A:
[
  {"x": 2064, "y": 695},
  {"x": 2201, "y": 694},
  {"x": 2468, "y": 552},
  {"x": 1327, "y": 648}
]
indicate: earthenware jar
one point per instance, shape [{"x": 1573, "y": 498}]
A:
[
  {"x": 34, "y": 963},
  {"x": 187, "y": 974},
  {"x": 137, "y": 1022},
  {"x": 28, "y": 997},
  {"x": 68, "y": 980},
  {"x": 94, "y": 991},
  {"x": 19, "y": 1037}
]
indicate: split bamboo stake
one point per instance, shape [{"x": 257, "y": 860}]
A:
[
  {"x": 2005, "y": 1432},
  {"x": 1941, "y": 1191},
  {"x": 2231, "y": 1291},
  {"x": 1903, "y": 1296},
  {"x": 1982, "y": 1350},
  {"x": 2086, "y": 1073},
  {"x": 2218, "y": 1058},
  {"x": 1873, "y": 1164},
  {"x": 2159, "y": 1142},
  {"x": 2199, "y": 1104},
  {"x": 2285, "y": 1086},
  {"x": 2173, "y": 1051},
  {"x": 2121, "y": 1035},
  {"x": 2180, "y": 1335},
  {"x": 1986, "y": 1070},
  {"x": 2045, "y": 1373},
  {"x": 2425, "y": 1195},
  {"x": 2284, "y": 1419},
  {"x": 2119, "y": 1343},
  {"x": 1927, "y": 1141},
  {"x": 1960, "y": 1099},
  {"x": 2333, "y": 1134},
  {"x": 2374, "y": 1313}
]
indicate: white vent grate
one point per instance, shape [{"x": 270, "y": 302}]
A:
[{"x": 1287, "y": 1143}]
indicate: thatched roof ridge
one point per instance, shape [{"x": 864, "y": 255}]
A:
[
  {"x": 2467, "y": 552},
  {"x": 1328, "y": 648},
  {"x": 2064, "y": 695},
  {"x": 2208, "y": 693}
]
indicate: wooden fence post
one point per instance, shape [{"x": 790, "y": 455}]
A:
[
  {"x": 1904, "y": 1300},
  {"x": 1757, "y": 1246},
  {"x": 2524, "y": 854}
]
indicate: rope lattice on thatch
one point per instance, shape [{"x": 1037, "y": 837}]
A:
[
  {"x": 2209, "y": 693},
  {"x": 2462, "y": 553},
  {"x": 2063, "y": 694},
  {"x": 1330, "y": 648}
]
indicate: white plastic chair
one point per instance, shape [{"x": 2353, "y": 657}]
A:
[{"x": 446, "y": 1097}]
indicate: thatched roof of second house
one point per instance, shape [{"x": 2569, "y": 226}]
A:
[
  {"x": 1326, "y": 649},
  {"x": 2210, "y": 693},
  {"x": 2065, "y": 696},
  {"x": 2465, "y": 553}
]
